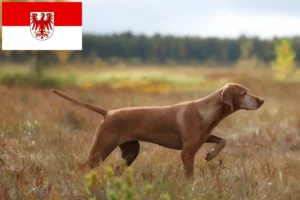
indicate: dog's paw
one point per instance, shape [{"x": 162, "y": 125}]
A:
[{"x": 210, "y": 155}]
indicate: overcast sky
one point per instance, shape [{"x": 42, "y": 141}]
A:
[{"x": 221, "y": 18}]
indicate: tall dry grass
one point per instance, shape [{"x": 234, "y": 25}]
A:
[{"x": 43, "y": 138}]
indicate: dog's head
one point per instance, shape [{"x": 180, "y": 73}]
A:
[{"x": 238, "y": 97}]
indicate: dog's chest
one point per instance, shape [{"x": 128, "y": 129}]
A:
[{"x": 210, "y": 115}]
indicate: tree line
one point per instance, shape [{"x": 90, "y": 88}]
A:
[{"x": 159, "y": 49}]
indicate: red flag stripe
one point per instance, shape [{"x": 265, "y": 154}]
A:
[{"x": 18, "y": 13}]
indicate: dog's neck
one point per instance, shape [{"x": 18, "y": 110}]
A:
[{"x": 214, "y": 106}]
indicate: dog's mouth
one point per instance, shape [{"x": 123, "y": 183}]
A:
[{"x": 257, "y": 103}]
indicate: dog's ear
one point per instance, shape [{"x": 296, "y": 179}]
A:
[{"x": 227, "y": 96}]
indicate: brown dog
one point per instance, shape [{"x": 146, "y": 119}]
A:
[{"x": 184, "y": 126}]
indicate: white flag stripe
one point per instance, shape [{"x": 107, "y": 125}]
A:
[{"x": 20, "y": 38}]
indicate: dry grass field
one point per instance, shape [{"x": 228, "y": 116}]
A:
[{"x": 43, "y": 137}]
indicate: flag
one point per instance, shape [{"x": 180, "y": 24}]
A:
[{"x": 41, "y": 26}]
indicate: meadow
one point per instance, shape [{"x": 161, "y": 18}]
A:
[{"x": 43, "y": 137}]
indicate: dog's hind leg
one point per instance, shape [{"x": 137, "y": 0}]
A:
[
  {"x": 129, "y": 152},
  {"x": 104, "y": 143}
]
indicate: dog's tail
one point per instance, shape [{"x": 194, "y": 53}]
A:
[{"x": 101, "y": 111}]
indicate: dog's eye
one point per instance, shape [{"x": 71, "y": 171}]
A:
[{"x": 243, "y": 93}]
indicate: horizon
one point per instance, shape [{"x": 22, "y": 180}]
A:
[
  {"x": 219, "y": 19},
  {"x": 189, "y": 36}
]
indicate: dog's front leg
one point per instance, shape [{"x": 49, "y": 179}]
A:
[
  {"x": 187, "y": 156},
  {"x": 215, "y": 151},
  {"x": 188, "y": 163}
]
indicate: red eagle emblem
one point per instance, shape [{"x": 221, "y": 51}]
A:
[{"x": 42, "y": 25}]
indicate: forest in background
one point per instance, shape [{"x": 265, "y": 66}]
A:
[{"x": 158, "y": 49}]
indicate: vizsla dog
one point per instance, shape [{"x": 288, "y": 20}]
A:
[{"x": 184, "y": 126}]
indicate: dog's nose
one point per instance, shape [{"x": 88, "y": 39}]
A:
[{"x": 261, "y": 101}]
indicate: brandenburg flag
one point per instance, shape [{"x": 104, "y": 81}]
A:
[{"x": 41, "y": 26}]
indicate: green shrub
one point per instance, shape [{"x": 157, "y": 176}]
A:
[
  {"x": 31, "y": 79},
  {"x": 122, "y": 188}
]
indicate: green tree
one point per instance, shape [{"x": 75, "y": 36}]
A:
[{"x": 284, "y": 63}]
